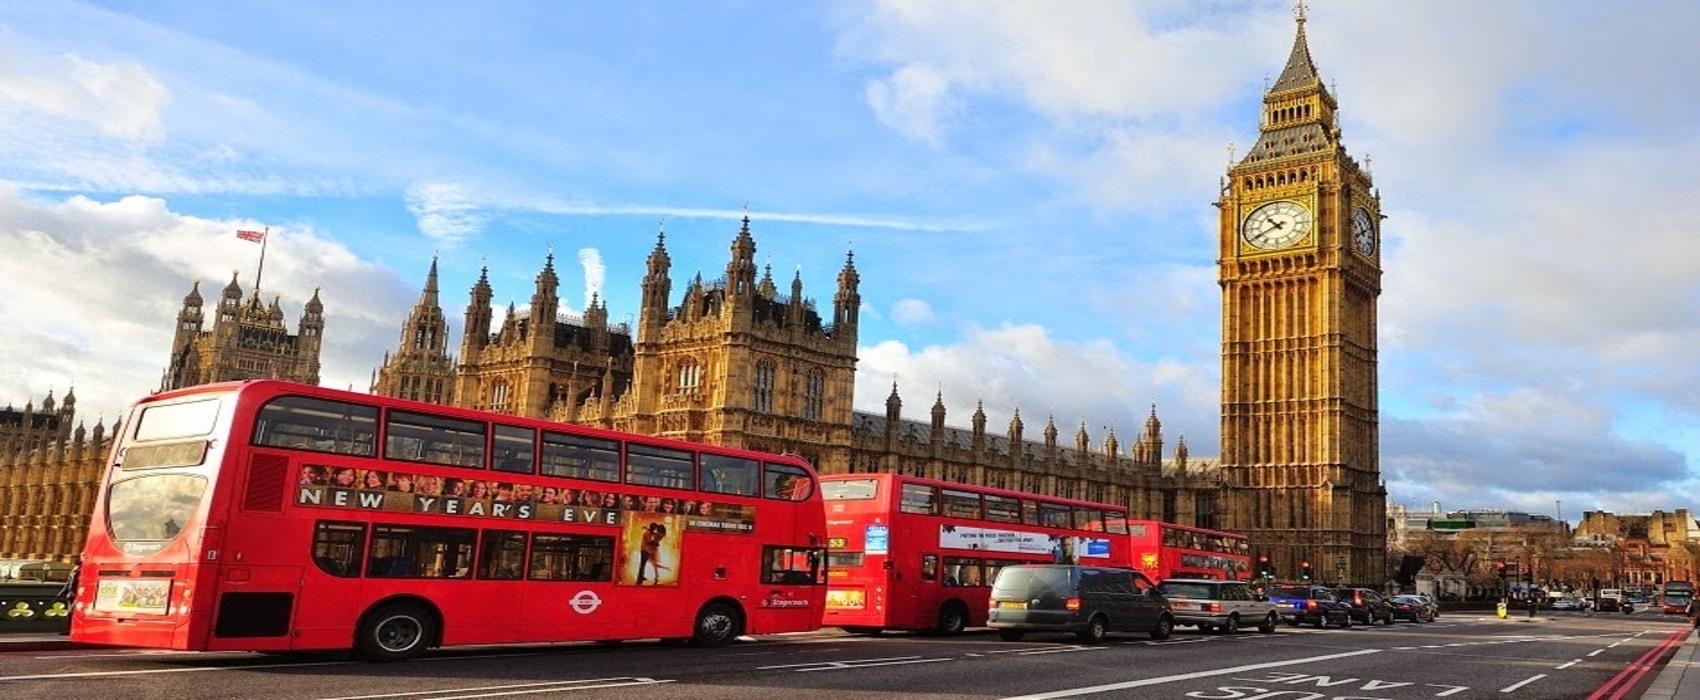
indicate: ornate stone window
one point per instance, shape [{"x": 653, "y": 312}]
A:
[
  {"x": 814, "y": 395},
  {"x": 500, "y": 395},
  {"x": 762, "y": 399},
  {"x": 690, "y": 376}
]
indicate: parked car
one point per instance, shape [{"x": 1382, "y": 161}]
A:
[
  {"x": 1413, "y": 608},
  {"x": 1314, "y": 605},
  {"x": 1609, "y": 605},
  {"x": 1090, "y": 601},
  {"x": 1434, "y": 605},
  {"x": 1219, "y": 606},
  {"x": 1566, "y": 604},
  {"x": 1367, "y": 605}
]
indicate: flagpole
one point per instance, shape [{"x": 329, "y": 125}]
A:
[{"x": 264, "y": 237}]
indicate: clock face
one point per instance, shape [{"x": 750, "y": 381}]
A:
[
  {"x": 1363, "y": 232},
  {"x": 1276, "y": 225}
]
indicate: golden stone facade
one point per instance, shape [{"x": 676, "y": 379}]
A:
[
  {"x": 48, "y": 475},
  {"x": 1300, "y": 271},
  {"x": 248, "y": 340}
]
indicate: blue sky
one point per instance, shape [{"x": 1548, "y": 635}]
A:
[{"x": 1027, "y": 188}]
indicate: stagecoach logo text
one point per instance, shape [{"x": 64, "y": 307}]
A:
[{"x": 412, "y": 493}]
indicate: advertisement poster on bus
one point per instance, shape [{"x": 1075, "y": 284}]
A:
[
  {"x": 649, "y": 552},
  {"x": 1062, "y": 548}
]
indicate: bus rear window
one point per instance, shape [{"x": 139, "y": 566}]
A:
[
  {"x": 177, "y": 420},
  {"x": 152, "y": 508},
  {"x": 858, "y": 490}
]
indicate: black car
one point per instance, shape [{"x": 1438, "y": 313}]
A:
[
  {"x": 1608, "y": 605},
  {"x": 1090, "y": 601},
  {"x": 1410, "y": 607},
  {"x": 1367, "y": 605},
  {"x": 1314, "y": 605}
]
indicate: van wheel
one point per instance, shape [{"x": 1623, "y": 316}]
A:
[
  {"x": 716, "y": 625},
  {"x": 1269, "y": 624},
  {"x": 1096, "y": 630},
  {"x": 1011, "y": 635},
  {"x": 1231, "y": 626},
  {"x": 395, "y": 632},
  {"x": 953, "y": 618},
  {"x": 1165, "y": 627}
]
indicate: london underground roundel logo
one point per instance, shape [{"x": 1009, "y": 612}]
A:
[{"x": 585, "y": 602}]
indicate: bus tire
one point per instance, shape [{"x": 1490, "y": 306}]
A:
[
  {"x": 395, "y": 632},
  {"x": 716, "y": 625},
  {"x": 953, "y": 618}
]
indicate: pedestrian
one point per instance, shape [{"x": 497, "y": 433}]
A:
[
  {"x": 68, "y": 592},
  {"x": 1693, "y": 611}
]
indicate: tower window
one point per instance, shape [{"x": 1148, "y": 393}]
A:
[
  {"x": 814, "y": 395},
  {"x": 762, "y": 400},
  {"x": 500, "y": 394},
  {"x": 690, "y": 376}
]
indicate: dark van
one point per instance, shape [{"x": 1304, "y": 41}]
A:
[{"x": 1090, "y": 601}]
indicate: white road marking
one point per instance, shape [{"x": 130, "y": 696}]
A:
[
  {"x": 1522, "y": 683},
  {"x": 100, "y": 674},
  {"x": 516, "y": 688},
  {"x": 1573, "y": 662},
  {"x": 1071, "y": 692},
  {"x": 1595, "y": 652}
]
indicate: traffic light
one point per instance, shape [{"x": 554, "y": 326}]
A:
[
  {"x": 1263, "y": 570},
  {"x": 1501, "y": 567},
  {"x": 1304, "y": 571}
]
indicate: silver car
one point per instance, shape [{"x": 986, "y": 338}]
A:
[{"x": 1219, "y": 606}]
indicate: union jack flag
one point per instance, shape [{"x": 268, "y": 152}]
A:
[{"x": 253, "y": 236}]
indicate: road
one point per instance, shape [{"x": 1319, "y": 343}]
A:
[{"x": 1556, "y": 655}]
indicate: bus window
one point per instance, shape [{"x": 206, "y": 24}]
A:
[
  {"x": 581, "y": 457},
  {"x": 302, "y": 423},
  {"x": 961, "y": 504},
  {"x": 572, "y": 558},
  {"x": 929, "y": 567},
  {"x": 420, "y": 552},
  {"x": 659, "y": 466},
  {"x": 731, "y": 475},
  {"x": 922, "y": 500},
  {"x": 1088, "y": 518},
  {"x": 1029, "y": 512},
  {"x": 1053, "y": 515},
  {"x": 858, "y": 490},
  {"x": 152, "y": 508},
  {"x": 178, "y": 420},
  {"x": 788, "y": 483},
  {"x": 417, "y": 437},
  {"x": 1003, "y": 509},
  {"x": 1115, "y": 522},
  {"x": 337, "y": 547},
  {"x": 793, "y": 565},
  {"x": 513, "y": 451},
  {"x": 502, "y": 555}
]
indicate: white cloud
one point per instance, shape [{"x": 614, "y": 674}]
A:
[
  {"x": 445, "y": 212},
  {"x": 122, "y": 100},
  {"x": 133, "y": 260},
  {"x": 912, "y": 102},
  {"x": 595, "y": 272},
  {"x": 1023, "y": 366},
  {"x": 911, "y": 312}
]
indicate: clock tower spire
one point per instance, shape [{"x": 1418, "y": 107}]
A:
[{"x": 1300, "y": 271}]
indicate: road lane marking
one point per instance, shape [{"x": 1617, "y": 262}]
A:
[
  {"x": 1595, "y": 652},
  {"x": 1521, "y": 683},
  {"x": 1071, "y": 692},
  {"x": 1573, "y": 662},
  {"x": 142, "y": 672},
  {"x": 859, "y": 663},
  {"x": 516, "y": 688}
]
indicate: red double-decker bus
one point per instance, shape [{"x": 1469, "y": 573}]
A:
[
  {"x": 920, "y": 554},
  {"x": 273, "y": 516},
  {"x": 1166, "y": 550}
]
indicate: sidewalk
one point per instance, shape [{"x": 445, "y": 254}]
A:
[
  {"x": 36, "y": 641},
  {"x": 1680, "y": 679}
]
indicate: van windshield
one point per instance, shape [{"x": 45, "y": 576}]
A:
[{"x": 1022, "y": 582}]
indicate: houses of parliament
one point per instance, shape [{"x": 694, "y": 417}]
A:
[{"x": 747, "y": 361}]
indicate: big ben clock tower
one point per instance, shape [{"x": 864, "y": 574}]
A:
[{"x": 1300, "y": 269}]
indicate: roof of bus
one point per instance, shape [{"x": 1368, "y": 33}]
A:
[
  {"x": 941, "y": 483},
  {"x": 277, "y": 387}
]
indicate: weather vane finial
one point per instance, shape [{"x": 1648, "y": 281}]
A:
[{"x": 1299, "y": 11}]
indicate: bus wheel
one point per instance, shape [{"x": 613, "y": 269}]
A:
[
  {"x": 716, "y": 625},
  {"x": 953, "y": 618},
  {"x": 395, "y": 633}
]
